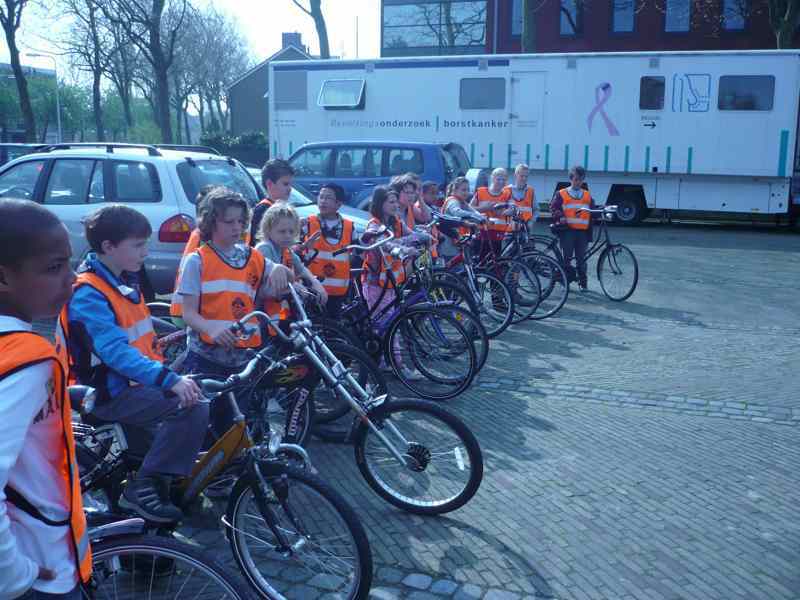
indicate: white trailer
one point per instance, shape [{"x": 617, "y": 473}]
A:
[{"x": 707, "y": 131}]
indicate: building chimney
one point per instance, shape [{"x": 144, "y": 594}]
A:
[{"x": 293, "y": 38}]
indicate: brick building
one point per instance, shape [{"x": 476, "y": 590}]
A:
[{"x": 495, "y": 26}]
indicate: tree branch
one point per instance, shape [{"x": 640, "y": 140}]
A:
[{"x": 301, "y": 7}]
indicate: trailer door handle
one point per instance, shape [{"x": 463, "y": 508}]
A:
[{"x": 650, "y": 124}]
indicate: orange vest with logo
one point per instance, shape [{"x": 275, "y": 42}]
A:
[
  {"x": 576, "y": 219},
  {"x": 132, "y": 317},
  {"x": 332, "y": 271},
  {"x": 20, "y": 349},
  {"x": 496, "y": 221},
  {"x": 176, "y": 303},
  {"x": 387, "y": 262},
  {"x": 524, "y": 206},
  {"x": 280, "y": 308},
  {"x": 228, "y": 293}
]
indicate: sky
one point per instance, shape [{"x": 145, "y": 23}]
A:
[{"x": 261, "y": 22}]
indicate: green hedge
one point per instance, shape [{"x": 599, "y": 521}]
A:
[{"x": 250, "y": 148}]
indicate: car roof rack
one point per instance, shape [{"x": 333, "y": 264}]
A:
[
  {"x": 109, "y": 146},
  {"x": 189, "y": 148}
]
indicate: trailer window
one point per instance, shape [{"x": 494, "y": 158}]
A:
[
  {"x": 484, "y": 93},
  {"x": 651, "y": 93},
  {"x": 342, "y": 93},
  {"x": 746, "y": 92},
  {"x": 291, "y": 90}
]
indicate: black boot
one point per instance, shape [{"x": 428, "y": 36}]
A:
[{"x": 146, "y": 497}]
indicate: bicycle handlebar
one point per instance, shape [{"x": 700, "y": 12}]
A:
[
  {"x": 378, "y": 244},
  {"x": 608, "y": 208}
]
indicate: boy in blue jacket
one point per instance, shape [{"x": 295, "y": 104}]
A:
[{"x": 113, "y": 348}]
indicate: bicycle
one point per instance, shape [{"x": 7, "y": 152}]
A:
[
  {"x": 617, "y": 268},
  {"x": 129, "y": 563},
  {"x": 424, "y": 445},
  {"x": 267, "y": 510}
]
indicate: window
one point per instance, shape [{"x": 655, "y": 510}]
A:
[
  {"x": 405, "y": 160},
  {"x": 342, "y": 93},
  {"x": 411, "y": 27},
  {"x": 20, "y": 181},
  {"x": 97, "y": 185},
  {"x": 746, "y": 92},
  {"x": 291, "y": 90},
  {"x": 358, "y": 162},
  {"x": 195, "y": 175},
  {"x": 734, "y": 14},
  {"x": 677, "y": 16},
  {"x": 135, "y": 182},
  {"x": 516, "y": 17},
  {"x": 623, "y": 16},
  {"x": 485, "y": 93},
  {"x": 571, "y": 17},
  {"x": 456, "y": 160},
  {"x": 69, "y": 182},
  {"x": 651, "y": 93},
  {"x": 312, "y": 162}
]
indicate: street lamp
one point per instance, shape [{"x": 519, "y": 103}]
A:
[{"x": 58, "y": 101}]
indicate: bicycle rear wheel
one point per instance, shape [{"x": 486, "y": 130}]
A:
[
  {"x": 524, "y": 285},
  {"x": 431, "y": 353},
  {"x": 553, "y": 280},
  {"x": 326, "y": 548},
  {"x": 444, "y": 293},
  {"x": 618, "y": 272},
  {"x": 146, "y": 566},
  {"x": 443, "y": 460}
]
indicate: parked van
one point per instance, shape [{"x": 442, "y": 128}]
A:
[
  {"x": 358, "y": 166},
  {"x": 688, "y": 131}
]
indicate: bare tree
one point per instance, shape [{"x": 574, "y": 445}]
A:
[
  {"x": 120, "y": 68},
  {"x": 314, "y": 11},
  {"x": 154, "y": 27},
  {"x": 784, "y": 17},
  {"x": 10, "y": 18}
]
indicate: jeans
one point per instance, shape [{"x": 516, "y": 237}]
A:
[
  {"x": 574, "y": 242},
  {"x": 173, "y": 434}
]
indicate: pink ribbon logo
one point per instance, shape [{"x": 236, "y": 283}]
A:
[{"x": 602, "y": 93}]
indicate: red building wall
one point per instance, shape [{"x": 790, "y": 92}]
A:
[{"x": 648, "y": 31}]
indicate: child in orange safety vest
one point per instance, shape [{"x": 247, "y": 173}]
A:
[
  {"x": 494, "y": 202},
  {"x": 573, "y": 224},
  {"x": 44, "y": 544},
  {"x": 279, "y": 230},
  {"x": 523, "y": 195},
  {"x": 323, "y": 235},
  {"x": 276, "y": 177}
]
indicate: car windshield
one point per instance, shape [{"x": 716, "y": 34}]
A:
[{"x": 199, "y": 173}]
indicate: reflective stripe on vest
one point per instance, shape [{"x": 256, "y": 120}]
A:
[
  {"x": 496, "y": 221},
  {"x": 332, "y": 271},
  {"x": 24, "y": 348},
  {"x": 228, "y": 293},
  {"x": 132, "y": 317},
  {"x": 387, "y": 263},
  {"x": 575, "y": 218},
  {"x": 524, "y": 206}
]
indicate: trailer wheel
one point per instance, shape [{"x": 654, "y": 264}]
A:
[{"x": 631, "y": 209}]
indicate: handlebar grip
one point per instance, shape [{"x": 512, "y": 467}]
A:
[{"x": 340, "y": 251}]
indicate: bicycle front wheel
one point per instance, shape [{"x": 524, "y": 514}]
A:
[
  {"x": 618, "y": 272},
  {"x": 431, "y": 353},
  {"x": 442, "y": 461},
  {"x": 523, "y": 283},
  {"x": 324, "y": 546},
  {"x": 553, "y": 279},
  {"x": 146, "y": 566},
  {"x": 495, "y": 303}
]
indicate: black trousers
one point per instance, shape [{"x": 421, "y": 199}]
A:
[{"x": 574, "y": 243}]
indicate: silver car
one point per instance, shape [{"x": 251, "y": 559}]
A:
[{"x": 74, "y": 180}]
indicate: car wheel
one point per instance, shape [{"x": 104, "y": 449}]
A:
[{"x": 630, "y": 209}]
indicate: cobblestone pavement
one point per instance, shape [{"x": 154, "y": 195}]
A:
[{"x": 642, "y": 450}]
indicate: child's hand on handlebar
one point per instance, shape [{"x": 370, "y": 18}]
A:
[
  {"x": 279, "y": 280},
  {"x": 187, "y": 391},
  {"x": 222, "y": 334}
]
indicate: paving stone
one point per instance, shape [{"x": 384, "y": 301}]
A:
[
  {"x": 386, "y": 593},
  {"x": 326, "y": 581},
  {"x": 469, "y": 592},
  {"x": 495, "y": 594},
  {"x": 421, "y": 595},
  {"x": 418, "y": 581},
  {"x": 389, "y": 575},
  {"x": 444, "y": 587}
]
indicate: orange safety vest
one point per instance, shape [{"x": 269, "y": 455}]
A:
[
  {"x": 576, "y": 219},
  {"x": 132, "y": 317},
  {"x": 228, "y": 293},
  {"x": 387, "y": 262},
  {"x": 176, "y": 302},
  {"x": 452, "y": 199},
  {"x": 21, "y": 349},
  {"x": 280, "y": 308},
  {"x": 524, "y": 206},
  {"x": 332, "y": 271},
  {"x": 497, "y": 222}
]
